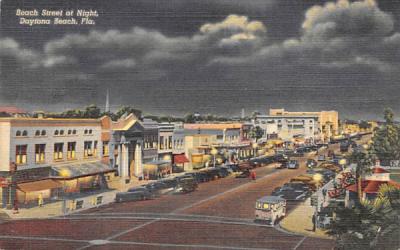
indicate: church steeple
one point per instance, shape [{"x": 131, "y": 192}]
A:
[{"x": 107, "y": 108}]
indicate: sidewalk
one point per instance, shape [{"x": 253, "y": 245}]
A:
[
  {"x": 300, "y": 221},
  {"x": 57, "y": 208}
]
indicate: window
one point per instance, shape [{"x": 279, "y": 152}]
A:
[
  {"x": 90, "y": 131},
  {"x": 161, "y": 142},
  {"x": 69, "y": 131},
  {"x": 39, "y": 153},
  {"x": 61, "y": 132},
  {"x": 87, "y": 149},
  {"x": 20, "y": 154},
  {"x": 71, "y": 151},
  {"x": 18, "y": 133},
  {"x": 37, "y": 133},
  {"x": 95, "y": 148},
  {"x": 56, "y": 132},
  {"x": 25, "y": 133},
  {"x": 43, "y": 132},
  {"x": 105, "y": 148},
  {"x": 58, "y": 151},
  {"x": 74, "y": 131},
  {"x": 85, "y": 132},
  {"x": 169, "y": 142}
]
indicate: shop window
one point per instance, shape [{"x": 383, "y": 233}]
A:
[
  {"x": 71, "y": 150},
  {"x": 95, "y": 148},
  {"x": 20, "y": 154},
  {"x": 161, "y": 142},
  {"x": 170, "y": 142},
  {"x": 87, "y": 149},
  {"x": 105, "y": 148},
  {"x": 40, "y": 153},
  {"x": 58, "y": 151}
]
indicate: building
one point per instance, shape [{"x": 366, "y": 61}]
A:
[
  {"x": 49, "y": 157},
  {"x": 9, "y": 111},
  {"x": 196, "y": 150},
  {"x": 228, "y": 133},
  {"x": 311, "y": 126}
]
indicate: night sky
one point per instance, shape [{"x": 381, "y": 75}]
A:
[{"x": 207, "y": 56}]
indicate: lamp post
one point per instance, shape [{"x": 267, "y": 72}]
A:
[
  {"x": 317, "y": 178},
  {"x": 214, "y": 152}
]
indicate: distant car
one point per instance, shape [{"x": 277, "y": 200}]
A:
[
  {"x": 158, "y": 188},
  {"x": 311, "y": 163},
  {"x": 133, "y": 196},
  {"x": 293, "y": 164},
  {"x": 281, "y": 165},
  {"x": 234, "y": 167},
  {"x": 321, "y": 157}
]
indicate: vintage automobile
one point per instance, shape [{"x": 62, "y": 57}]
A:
[
  {"x": 270, "y": 209},
  {"x": 138, "y": 195},
  {"x": 186, "y": 185},
  {"x": 293, "y": 164},
  {"x": 244, "y": 174},
  {"x": 311, "y": 163}
]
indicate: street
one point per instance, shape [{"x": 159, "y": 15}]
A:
[{"x": 219, "y": 215}]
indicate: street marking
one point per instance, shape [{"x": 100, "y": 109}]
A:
[
  {"x": 131, "y": 229},
  {"x": 40, "y": 238},
  {"x": 300, "y": 242}
]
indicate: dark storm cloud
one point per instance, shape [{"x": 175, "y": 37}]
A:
[{"x": 345, "y": 57}]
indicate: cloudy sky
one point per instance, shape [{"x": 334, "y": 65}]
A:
[{"x": 208, "y": 56}]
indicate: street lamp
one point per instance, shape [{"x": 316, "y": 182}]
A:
[
  {"x": 214, "y": 152},
  {"x": 317, "y": 178}
]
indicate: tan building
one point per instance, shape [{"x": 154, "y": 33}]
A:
[{"x": 320, "y": 125}]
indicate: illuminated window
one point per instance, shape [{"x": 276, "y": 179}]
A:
[
  {"x": 161, "y": 142},
  {"x": 105, "y": 148},
  {"x": 87, "y": 149},
  {"x": 20, "y": 154},
  {"x": 265, "y": 206},
  {"x": 95, "y": 148},
  {"x": 40, "y": 153},
  {"x": 58, "y": 151},
  {"x": 71, "y": 150}
]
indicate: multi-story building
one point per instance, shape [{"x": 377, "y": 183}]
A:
[
  {"x": 312, "y": 126},
  {"x": 50, "y": 156},
  {"x": 228, "y": 133}
]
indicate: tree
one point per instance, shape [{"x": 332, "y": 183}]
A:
[
  {"x": 128, "y": 110},
  {"x": 256, "y": 133},
  {"x": 363, "y": 160},
  {"x": 189, "y": 118},
  {"x": 371, "y": 225},
  {"x": 364, "y": 125},
  {"x": 386, "y": 140},
  {"x": 92, "y": 111}
]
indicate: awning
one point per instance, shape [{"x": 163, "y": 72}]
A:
[
  {"x": 179, "y": 159},
  {"x": 80, "y": 170},
  {"x": 38, "y": 185}
]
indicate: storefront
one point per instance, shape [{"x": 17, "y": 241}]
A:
[
  {"x": 179, "y": 161},
  {"x": 157, "y": 169},
  {"x": 31, "y": 192}
]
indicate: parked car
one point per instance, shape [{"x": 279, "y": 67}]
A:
[
  {"x": 158, "y": 188},
  {"x": 311, "y": 163},
  {"x": 169, "y": 183},
  {"x": 186, "y": 185},
  {"x": 133, "y": 196},
  {"x": 293, "y": 164},
  {"x": 234, "y": 167},
  {"x": 244, "y": 174},
  {"x": 291, "y": 194},
  {"x": 222, "y": 172},
  {"x": 321, "y": 157},
  {"x": 281, "y": 165}
]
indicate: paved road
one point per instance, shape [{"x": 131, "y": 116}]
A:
[{"x": 219, "y": 215}]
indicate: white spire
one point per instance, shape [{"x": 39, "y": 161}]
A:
[{"x": 107, "y": 109}]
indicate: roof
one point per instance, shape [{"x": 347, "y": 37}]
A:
[
  {"x": 180, "y": 159},
  {"x": 80, "y": 170},
  {"x": 378, "y": 170},
  {"x": 213, "y": 126},
  {"x": 124, "y": 124},
  {"x": 271, "y": 199},
  {"x": 372, "y": 187},
  {"x": 12, "y": 110},
  {"x": 39, "y": 185}
]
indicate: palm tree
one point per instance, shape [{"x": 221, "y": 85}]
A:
[{"x": 363, "y": 161}]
